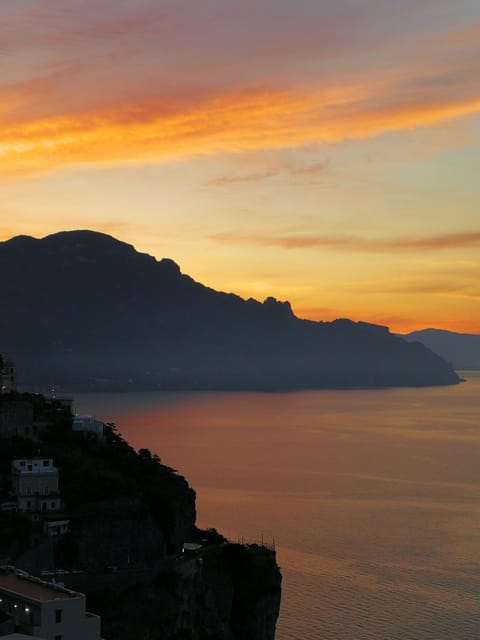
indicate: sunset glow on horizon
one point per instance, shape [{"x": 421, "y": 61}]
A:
[{"x": 318, "y": 152}]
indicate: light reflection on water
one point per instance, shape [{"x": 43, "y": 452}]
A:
[{"x": 372, "y": 497}]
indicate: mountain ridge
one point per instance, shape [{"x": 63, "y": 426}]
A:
[
  {"x": 462, "y": 350},
  {"x": 85, "y": 310}
]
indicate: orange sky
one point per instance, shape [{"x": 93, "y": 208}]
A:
[{"x": 322, "y": 154}]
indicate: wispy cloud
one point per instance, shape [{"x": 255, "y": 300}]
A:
[
  {"x": 453, "y": 289},
  {"x": 448, "y": 289},
  {"x": 249, "y": 177},
  {"x": 57, "y": 25},
  {"x": 344, "y": 242},
  {"x": 315, "y": 169},
  {"x": 424, "y": 286},
  {"x": 267, "y": 167},
  {"x": 249, "y": 120},
  {"x": 134, "y": 81}
]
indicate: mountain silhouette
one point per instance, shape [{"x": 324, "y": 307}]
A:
[
  {"x": 461, "y": 349},
  {"x": 82, "y": 310}
]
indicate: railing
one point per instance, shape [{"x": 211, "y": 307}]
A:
[{"x": 270, "y": 545}]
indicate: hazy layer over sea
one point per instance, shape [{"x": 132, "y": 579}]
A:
[{"x": 372, "y": 497}]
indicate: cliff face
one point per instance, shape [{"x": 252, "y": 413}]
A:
[
  {"x": 257, "y": 594},
  {"x": 126, "y": 533},
  {"x": 223, "y": 592},
  {"x": 129, "y": 518},
  {"x": 119, "y": 534}
]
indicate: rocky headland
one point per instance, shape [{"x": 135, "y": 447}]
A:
[{"x": 132, "y": 545}]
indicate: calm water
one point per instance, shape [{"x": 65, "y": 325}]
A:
[{"x": 372, "y": 497}]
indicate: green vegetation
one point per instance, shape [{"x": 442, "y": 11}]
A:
[
  {"x": 95, "y": 472},
  {"x": 45, "y": 410},
  {"x": 90, "y": 470}
]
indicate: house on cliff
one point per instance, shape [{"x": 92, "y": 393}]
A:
[
  {"x": 35, "y": 485},
  {"x": 33, "y": 608},
  {"x": 89, "y": 426}
]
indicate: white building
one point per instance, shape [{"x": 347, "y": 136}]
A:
[
  {"x": 44, "y": 610},
  {"x": 56, "y": 527},
  {"x": 88, "y": 424},
  {"x": 35, "y": 484}
]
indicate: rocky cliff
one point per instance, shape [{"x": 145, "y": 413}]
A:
[
  {"x": 222, "y": 592},
  {"x": 129, "y": 518}
]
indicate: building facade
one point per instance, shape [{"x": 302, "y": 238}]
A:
[
  {"x": 88, "y": 425},
  {"x": 45, "y": 610},
  {"x": 35, "y": 485},
  {"x": 56, "y": 527}
]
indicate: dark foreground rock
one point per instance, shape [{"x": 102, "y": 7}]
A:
[
  {"x": 129, "y": 517},
  {"x": 223, "y": 592}
]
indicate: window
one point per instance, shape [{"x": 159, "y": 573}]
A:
[
  {"x": 53, "y": 505},
  {"x": 46, "y": 463},
  {"x": 58, "y": 615},
  {"x": 58, "y": 637}
]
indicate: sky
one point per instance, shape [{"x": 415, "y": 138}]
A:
[{"x": 321, "y": 152}]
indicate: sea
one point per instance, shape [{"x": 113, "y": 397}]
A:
[{"x": 370, "y": 497}]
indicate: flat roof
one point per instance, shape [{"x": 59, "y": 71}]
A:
[
  {"x": 35, "y": 472},
  {"x": 20, "y": 636},
  {"x": 32, "y": 459},
  {"x": 27, "y": 587}
]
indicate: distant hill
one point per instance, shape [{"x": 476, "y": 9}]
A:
[
  {"x": 462, "y": 350},
  {"x": 82, "y": 310}
]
